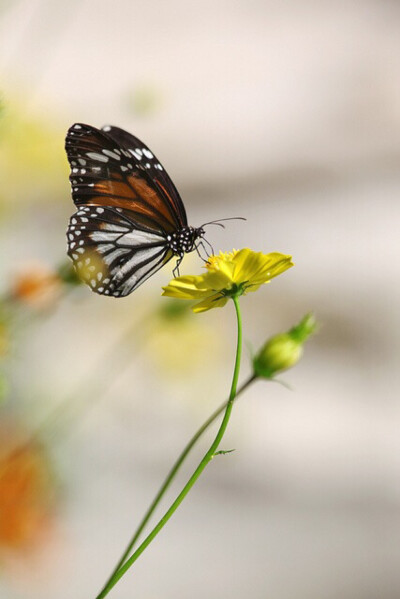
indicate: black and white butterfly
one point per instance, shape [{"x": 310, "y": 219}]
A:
[{"x": 130, "y": 219}]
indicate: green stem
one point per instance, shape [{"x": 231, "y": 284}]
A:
[
  {"x": 204, "y": 462},
  {"x": 171, "y": 475}
]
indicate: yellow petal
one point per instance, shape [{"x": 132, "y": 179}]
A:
[
  {"x": 187, "y": 287},
  {"x": 217, "y": 280},
  {"x": 214, "y": 301},
  {"x": 258, "y": 268}
]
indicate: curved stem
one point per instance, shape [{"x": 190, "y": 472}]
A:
[
  {"x": 204, "y": 462},
  {"x": 171, "y": 475}
]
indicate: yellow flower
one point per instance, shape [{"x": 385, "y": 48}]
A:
[{"x": 228, "y": 274}]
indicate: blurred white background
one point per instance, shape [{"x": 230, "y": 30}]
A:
[{"x": 287, "y": 114}]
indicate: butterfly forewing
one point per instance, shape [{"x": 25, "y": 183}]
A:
[
  {"x": 104, "y": 173},
  {"x": 127, "y": 209},
  {"x": 151, "y": 168}
]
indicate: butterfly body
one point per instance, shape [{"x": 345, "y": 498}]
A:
[{"x": 130, "y": 219}]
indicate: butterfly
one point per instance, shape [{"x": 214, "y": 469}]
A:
[{"x": 130, "y": 219}]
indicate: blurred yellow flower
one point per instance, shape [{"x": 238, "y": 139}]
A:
[
  {"x": 177, "y": 342},
  {"x": 228, "y": 274},
  {"x": 33, "y": 166}
]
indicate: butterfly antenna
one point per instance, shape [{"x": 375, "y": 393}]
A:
[{"x": 219, "y": 221}]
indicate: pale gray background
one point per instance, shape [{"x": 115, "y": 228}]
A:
[{"x": 288, "y": 114}]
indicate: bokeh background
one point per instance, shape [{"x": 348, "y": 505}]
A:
[{"x": 287, "y": 114}]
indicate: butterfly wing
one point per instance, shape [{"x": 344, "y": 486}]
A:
[
  {"x": 118, "y": 236},
  {"x": 111, "y": 254},
  {"x": 152, "y": 167}
]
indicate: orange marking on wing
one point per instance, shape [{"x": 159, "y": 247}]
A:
[
  {"x": 113, "y": 188},
  {"x": 137, "y": 196},
  {"x": 144, "y": 191},
  {"x": 166, "y": 194}
]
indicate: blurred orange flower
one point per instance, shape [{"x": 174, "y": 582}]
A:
[
  {"x": 26, "y": 495},
  {"x": 38, "y": 286}
]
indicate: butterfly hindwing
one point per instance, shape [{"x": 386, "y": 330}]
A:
[{"x": 111, "y": 255}]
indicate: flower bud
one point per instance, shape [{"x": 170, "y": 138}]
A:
[{"x": 284, "y": 350}]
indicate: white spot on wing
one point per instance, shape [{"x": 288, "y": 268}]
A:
[
  {"x": 104, "y": 236},
  {"x": 111, "y": 154},
  {"x": 136, "y": 154},
  {"x": 135, "y": 238},
  {"x": 96, "y": 156},
  {"x": 115, "y": 228}
]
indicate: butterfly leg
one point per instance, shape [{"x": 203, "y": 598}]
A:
[
  {"x": 201, "y": 244},
  {"x": 175, "y": 272},
  {"x": 209, "y": 245}
]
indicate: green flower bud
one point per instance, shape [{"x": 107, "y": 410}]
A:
[{"x": 284, "y": 350}]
